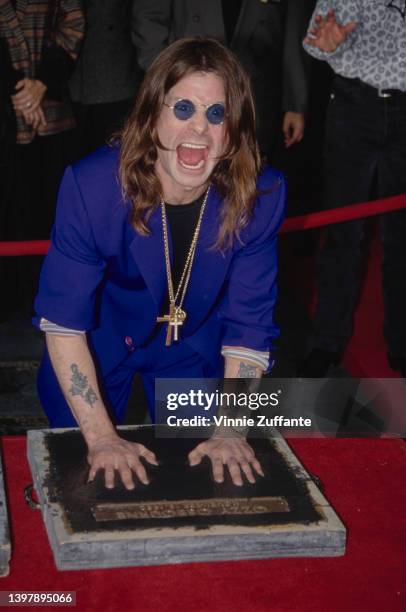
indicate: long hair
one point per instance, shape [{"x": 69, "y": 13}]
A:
[{"x": 234, "y": 175}]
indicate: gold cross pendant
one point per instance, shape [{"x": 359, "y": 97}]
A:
[
  {"x": 175, "y": 319},
  {"x": 166, "y": 319}
]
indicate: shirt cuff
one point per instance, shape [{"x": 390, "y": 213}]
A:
[
  {"x": 58, "y": 330},
  {"x": 258, "y": 358}
]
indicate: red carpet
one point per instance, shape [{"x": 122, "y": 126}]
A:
[
  {"x": 366, "y": 353},
  {"x": 362, "y": 480}
]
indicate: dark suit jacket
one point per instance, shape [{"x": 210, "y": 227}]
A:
[
  {"x": 267, "y": 39},
  {"x": 100, "y": 275},
  {"x": 107, "y": 69}
]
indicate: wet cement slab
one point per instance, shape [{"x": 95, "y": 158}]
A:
[
  {"x": 5, "y": 546},
  {"x": 182, "y": 515}
]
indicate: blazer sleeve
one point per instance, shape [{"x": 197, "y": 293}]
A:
[
  {"x": 296, "y": 64},
  {"x": 70, "y": 27},
  {"x": 247, "y": 309},
  {"x": 150, "y": 29},
  {"x": 73, "y": 268}
]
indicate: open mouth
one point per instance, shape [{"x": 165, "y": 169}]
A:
[{"x": 192, "y": 156}]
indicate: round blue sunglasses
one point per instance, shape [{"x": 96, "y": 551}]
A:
[{"x": 185, "y": 109}]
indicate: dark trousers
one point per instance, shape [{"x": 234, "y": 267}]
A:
[{"x": 365, "y": 151}]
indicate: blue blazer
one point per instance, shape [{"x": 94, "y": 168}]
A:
[{"x": 101, "y": 276}]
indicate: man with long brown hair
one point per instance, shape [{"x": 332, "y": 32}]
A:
[{"x": 163, "y": 259}]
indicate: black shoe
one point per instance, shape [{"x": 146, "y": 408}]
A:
[
  {"x": 318, "y": 362},
  {"x": 398, "y": 364}
]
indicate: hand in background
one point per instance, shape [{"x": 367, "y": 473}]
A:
[
  {"x": 293, "y": 127},
  {"x": 30, "y": 93},
  {"x": 328, "y": 34},
  {"x": 35, "y": 118}
]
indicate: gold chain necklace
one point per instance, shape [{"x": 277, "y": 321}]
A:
[{"x": 177, "y": 316}]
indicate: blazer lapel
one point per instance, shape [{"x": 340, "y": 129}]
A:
[
  {"x": 12, "y": 23},
  {"x": 148, "y": 253},
  {"x": 209, "y": 266},
  {"x": 20, "y": 8},
  {"x": 249, "y": 15}
]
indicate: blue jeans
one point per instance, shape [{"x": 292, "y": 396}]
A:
[
  {"x": 154, "y": 360},
  {"x": 365, "y": 148}
]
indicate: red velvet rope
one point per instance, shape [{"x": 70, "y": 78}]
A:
[
  {"x": 344, "y": 213},
  {"x": 24, "y": 247},
  {"x": 293, "y": 224}
]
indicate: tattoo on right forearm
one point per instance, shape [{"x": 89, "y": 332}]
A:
[
  {"x": 80, "y": 386},
  {"x": 246, "y": 370}
]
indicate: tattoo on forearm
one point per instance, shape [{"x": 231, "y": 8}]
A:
[
  {"x": 246, "y": 370},
  {"x": 80, "y": 386}
]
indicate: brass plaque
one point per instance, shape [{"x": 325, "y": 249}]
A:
[{"x": 191, "y": 507}]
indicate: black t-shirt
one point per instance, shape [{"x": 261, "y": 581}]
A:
[{"x": 182, "y": 220}]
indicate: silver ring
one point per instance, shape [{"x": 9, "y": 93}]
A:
[{"x": 28, "y": 105}]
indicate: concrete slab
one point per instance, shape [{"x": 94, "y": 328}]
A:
[
  {"x": 182, "y": 516},
  {"x": 5, "y": 546}
]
